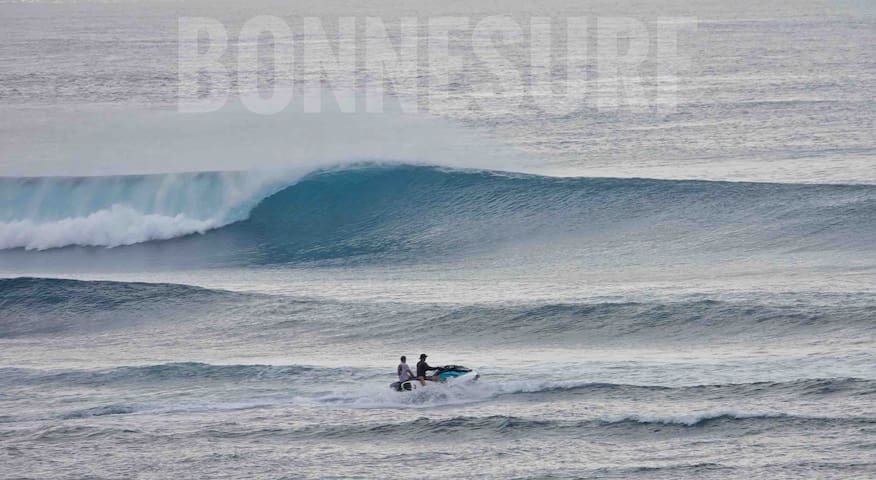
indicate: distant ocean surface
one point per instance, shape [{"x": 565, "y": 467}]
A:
[{"x": 689, "y": 296}]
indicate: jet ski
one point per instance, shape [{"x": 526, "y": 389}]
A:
[{"x": 447, "y": 373}]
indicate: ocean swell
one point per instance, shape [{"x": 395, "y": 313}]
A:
[
  {"x": 401, "y": 211},
  {"x": 42, "y": 306}
]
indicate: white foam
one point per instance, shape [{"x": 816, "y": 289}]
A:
[
  {"x": 51, "y": 212},
  {"x": 381, "y": 396},
  {"x": 112, "y": 227}
]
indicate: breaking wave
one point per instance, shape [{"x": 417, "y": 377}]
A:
[
  {"x": 401, "y": 210},
  {"x": 49, "y": 212}
]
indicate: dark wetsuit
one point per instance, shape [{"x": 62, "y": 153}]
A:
[{"x": 422, "y": 367}]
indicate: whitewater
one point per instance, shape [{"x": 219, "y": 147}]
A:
[{"x": 675, "y": 296}]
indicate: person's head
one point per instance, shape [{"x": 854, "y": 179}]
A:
[
  {"x": 423, "y": 356},
  {"x": 404, "y": 359}
]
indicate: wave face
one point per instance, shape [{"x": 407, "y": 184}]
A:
[{"x": 407, "y": 212}]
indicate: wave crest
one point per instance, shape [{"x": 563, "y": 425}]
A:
[{"x": 52, "y": 212}]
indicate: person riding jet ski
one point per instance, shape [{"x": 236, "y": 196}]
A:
[
  {"x": 422, "y": 368},
  {"x": 408, "y": 382},
  {"x": 404, "y": 371}
]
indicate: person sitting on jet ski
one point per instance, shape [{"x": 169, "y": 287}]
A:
[
  {"x": 422, "y": 368},
  {"x": 404, "y": 371}
]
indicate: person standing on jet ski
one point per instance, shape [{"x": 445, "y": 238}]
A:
[{"x": 422, "y": 368}]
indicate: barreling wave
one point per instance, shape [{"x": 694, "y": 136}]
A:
[
  {"x": 48, "y": 212},
  {"x": 400, "y": 211}
]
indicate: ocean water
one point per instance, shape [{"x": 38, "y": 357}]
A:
[{"x": 645, "y": 295}]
